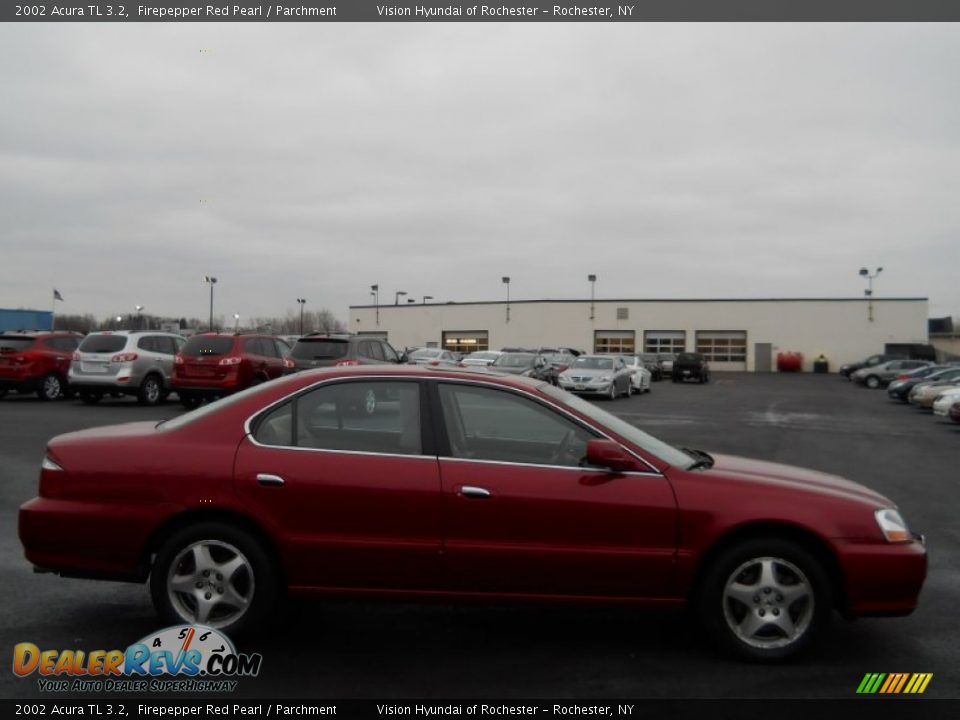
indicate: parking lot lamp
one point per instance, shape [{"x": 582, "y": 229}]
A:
[
  {"x": 139, "y": 318},
  {"x": 375, "y": 291},
  {"x": 396, "y": 296},
  {"x": 119, "y": 320},
  {"x": 236, "y": 322},
  {"x": 506, "y": 281},
  {"x": 868, "y": 292},
  {"x": 211, "y": 281},
  {"x": 592, "y": 279},
  {"x": 301, "y": 302}
]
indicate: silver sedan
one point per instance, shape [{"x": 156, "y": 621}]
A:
[{"x": 598, "y": 375}]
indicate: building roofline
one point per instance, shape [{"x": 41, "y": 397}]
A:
[{"x": 642, "y": 300}]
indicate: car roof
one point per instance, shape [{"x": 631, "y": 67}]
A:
[{"x": 421, "y": 371}]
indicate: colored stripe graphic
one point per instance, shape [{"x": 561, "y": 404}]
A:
[{"x": 894, "y": 683}]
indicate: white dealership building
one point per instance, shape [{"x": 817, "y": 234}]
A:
[{"x": 735, "y": 334}]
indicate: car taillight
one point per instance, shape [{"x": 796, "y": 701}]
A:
[
  {"x": 232, "y": 360},
  {"x": 123, "y": 357},
  {"x": 460, "y": 364},
  {"x": 344, "y": 363},
  {"x": 178, "y": 359},
  {"x": 51, "y": 478},
  {"x": 434, "y": 362},
  {"x": 288, "y": 363},
  {"x": 902, "y": 377},
  {"x": 76, "y": 356}
]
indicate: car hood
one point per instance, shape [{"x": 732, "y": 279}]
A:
[
  {"x": 768, "y": 473},
  {"x": 586, "y": 372}
]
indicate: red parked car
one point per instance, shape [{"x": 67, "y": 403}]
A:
[
  {"x": 211, "y": 365},
  {"x": 454, "y": 484},
  {"x": 36, "y": 362}
]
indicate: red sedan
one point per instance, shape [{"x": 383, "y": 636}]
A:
[{"x": 416, "y": 482}]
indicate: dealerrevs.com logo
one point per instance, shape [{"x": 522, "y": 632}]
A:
[{"x": 182, "y": 658}]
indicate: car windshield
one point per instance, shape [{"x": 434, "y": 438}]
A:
[
  {"x": 13, "y": 344},
  {"x": 200, "y": 345},
  {"x": 514, "y": 360},
  {"x": 592, "y": 363},
  {"x": 102, "y": 343},
  {"x": 482, "y": 356},
  {"x": 310, "y": 349},
  {"x": 654, "y": 446},
  {"x": 424, "y": 353}
]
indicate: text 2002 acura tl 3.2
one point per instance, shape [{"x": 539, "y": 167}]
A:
[{"x": 418, "y": 482}]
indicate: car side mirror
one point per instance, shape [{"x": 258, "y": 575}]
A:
[
  {"x": 402, "y": 358},
  {"x": 610, "y": 455}
]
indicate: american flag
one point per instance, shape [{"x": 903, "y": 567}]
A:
[{"x": 57, "y": 295}]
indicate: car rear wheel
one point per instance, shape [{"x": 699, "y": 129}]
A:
[
  {"x": 213, "y": 574},
  {"x": 612, "y": 393},
  {"x": 765, "y": 599},
  {"x": 51, "y": 388},
  {"x": 151, "y": 391},
  {"x": 90, "y": 398},
  {"x": 873, "y": 382},
  {"x": 190, "y": 400}
]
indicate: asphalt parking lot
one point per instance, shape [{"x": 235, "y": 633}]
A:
[{"x": 369, "y": 649}]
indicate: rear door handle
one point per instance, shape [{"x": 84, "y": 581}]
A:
[
  {"x": 473, "y": 492},
  {"x": 268, "y": 480}
]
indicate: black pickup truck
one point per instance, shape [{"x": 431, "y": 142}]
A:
[{"x": 690, "y": 366}]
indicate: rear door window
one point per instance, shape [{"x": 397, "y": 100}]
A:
[{"x": 308, "y": 349}]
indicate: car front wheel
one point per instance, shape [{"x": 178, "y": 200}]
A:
[
  {"x": 765, "y": 599},
  {"x": 213, "y": 574},
  {"x": 51, "y": 388},
  {"x": 873, "y": 382}
]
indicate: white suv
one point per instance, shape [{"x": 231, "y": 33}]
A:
[{"x": 128, "y": 363}]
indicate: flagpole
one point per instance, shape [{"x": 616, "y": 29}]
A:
[{"x": 53, "y": 311}]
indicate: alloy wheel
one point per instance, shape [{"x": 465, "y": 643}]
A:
[{"x": 211, "y": 582}]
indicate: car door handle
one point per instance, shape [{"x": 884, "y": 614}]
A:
[
  {"x": 473, "y": 492},
  {"x": 268, "y": 480}
]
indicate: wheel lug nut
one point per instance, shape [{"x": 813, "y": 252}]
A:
[
  {"x": 762, "y": 613},
  {"x": 199, "y": 585},
  {"x": 776, "y": 611},
  {"x": 756, "y": 598},
  {"x": 220, "y": 590},
  {"x": 208, "y": 595},
  {"x": 779, "y": 598},
  {"x": 206, "y": 573},
  {"x": 766, "y": 591},
  {"x": 219, "y": 576}
]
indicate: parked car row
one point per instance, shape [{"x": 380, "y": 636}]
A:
[{"x": 931, "y": 387}]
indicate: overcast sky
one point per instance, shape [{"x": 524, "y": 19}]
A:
[{"x": 314, "y": 160}]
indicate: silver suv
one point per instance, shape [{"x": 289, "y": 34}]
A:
[{"x": 125, "y": 363}]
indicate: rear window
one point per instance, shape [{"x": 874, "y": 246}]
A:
[
  {"x": 425, "y": 353},
  {"x": 103, "y": 343},
  {"x": 197, "y": 346},
  {"x": 307, "y": 349},
  {"x": 689, "y": 357},
  {"x": 15, "y": 344}
]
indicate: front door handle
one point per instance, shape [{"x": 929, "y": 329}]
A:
[
  {"x": 473, "y": 492},
  {"x": 268, "y": 480}
]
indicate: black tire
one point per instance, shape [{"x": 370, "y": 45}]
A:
[
  {"x": 151, "y": 391},
  {"x": 612, "y": 395},
  {"x": 90, "y": 398},
  {"x": 794, "y": 569},
  {"x": 872, "y": 382},
  {"x": 189, "y": 400},
  {"x": 3, "y": 393},
  {"x": 254, "y": 580},
  {"x": 51, "y": 387}
]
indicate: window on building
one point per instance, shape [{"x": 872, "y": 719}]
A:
[
  {"x": 615, "y": 341},
  {"x": 664, "y": 341},
  {"x": 723, "y": 345},
  {"x": 465, "y": 341}
]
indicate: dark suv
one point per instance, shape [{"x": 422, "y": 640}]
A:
[
  {"x": 214, "y": 364},
  {"x": 690, "y": 366},
  {"x": 36, "y": 362},
  {"x": 321, "y": 350}
]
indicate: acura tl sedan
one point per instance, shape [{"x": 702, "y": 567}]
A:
[{"x": 460, "y": 485}]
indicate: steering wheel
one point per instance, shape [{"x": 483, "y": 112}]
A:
[{"x": 564, "y": 447}]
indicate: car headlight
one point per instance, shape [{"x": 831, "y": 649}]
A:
[
  {"x": 605, "y": 379},
  {"x": 892, "y": 526}
]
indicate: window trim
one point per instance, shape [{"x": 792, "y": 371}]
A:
[{"x": 433, "y": 433}]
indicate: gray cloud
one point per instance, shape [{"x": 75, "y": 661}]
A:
[{"x": 309, "y": 160}]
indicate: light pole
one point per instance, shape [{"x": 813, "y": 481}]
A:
[
  {"x": 396, "y": 296},
  {"x": 236, "y": 322},
  {"x": 592, "y": 279},
  {"x": 375, "y": 291},
  {"x": 211, "y": 281},
  {"x": 119, "y": 320},
  {"x": 301, "y": 302},
  {"x": 139, "y": 319},
  {"x": 506, "y": 281},
  {"x": 427, "y": 297},
  {"x": 869, "y": 290}
]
